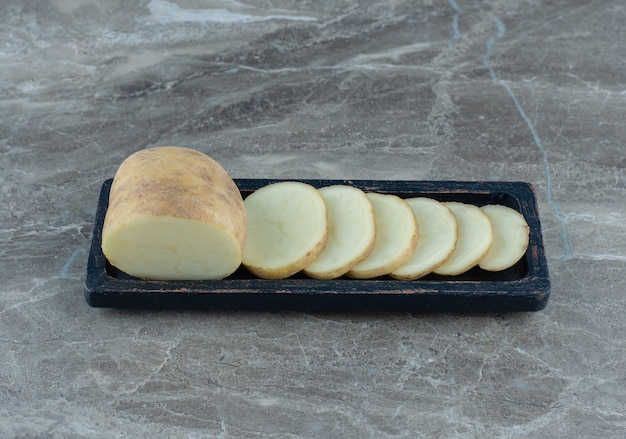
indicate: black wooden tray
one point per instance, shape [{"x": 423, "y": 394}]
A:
[{"x": 523, "y": 287}]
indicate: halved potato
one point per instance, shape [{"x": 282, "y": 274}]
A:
[
  {"x": 475, "y": 236},
  {"x": 510, "y": 238},
  {"x": 174, "y": 214},
  {"x": 287, "y": 229},
  {"x": 396, "y": 237},
  {"x": 436, "y": 242},
  {"x": 351, "y": 232}
]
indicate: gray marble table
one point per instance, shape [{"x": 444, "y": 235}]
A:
[{"x": 417, "y": 90}]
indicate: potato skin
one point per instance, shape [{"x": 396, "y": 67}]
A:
[{"x": 177, "y": 182}]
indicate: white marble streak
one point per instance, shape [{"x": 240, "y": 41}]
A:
[{"x": 165, "y": 12}]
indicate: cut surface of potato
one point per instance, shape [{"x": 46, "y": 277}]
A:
[
  {"x": 169, "y": 248},
  {"x": 396, "y": 237},
  {"x": 287, "y": 229},
  {"x": 436, "y": 241},
  {"x": 510, "y": 238},
  {"x": 351, "y": 232},
  {"x": 474, "y": 237},
  {"x": 174, "y": 214}
]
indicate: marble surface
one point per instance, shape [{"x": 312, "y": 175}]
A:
[{"x": 432, "y": 89}]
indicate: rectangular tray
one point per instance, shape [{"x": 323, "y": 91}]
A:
[{"x": 523, "y": 287}]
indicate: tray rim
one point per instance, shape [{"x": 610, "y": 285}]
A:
[{"x": 529, "y": 293}]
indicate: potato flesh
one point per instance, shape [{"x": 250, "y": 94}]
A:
[
  {"x": 475, "y": 236},
  {"x": 287, "y": 229},
  {"x": 436, "y": 241},
  {"x": 396, "y": 237},
  {"x": 156, "y": 194},
  {"x": 351, "y": 232},
  {"x": 170, "y": 248},
  {"x": 510, "y": 238}
]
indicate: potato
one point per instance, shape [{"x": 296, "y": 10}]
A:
[
  {"x": 437, "y": 238},
  {"x": 475, "y": 236},
  {"x": 174, "y": 214},
  {"x": 396, "y": 237},
  {"x": 351, "y": 232},
  {"x": 287, "y": 229},
  {"x": 510, "y": 238}
]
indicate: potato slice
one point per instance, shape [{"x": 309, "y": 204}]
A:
[
  {"x": 174, "y": 214},
  {"x": 396, "y": 237},
  {"x": 436, "y": 241},
  {"x": 287, "y": 229},
  {"x": 510, "y": 238},
  {"x": 351, "y": 232},
  {"x": 475, "y": 236}
]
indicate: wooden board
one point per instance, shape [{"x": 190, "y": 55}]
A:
[{"x": 523, "y": 287}]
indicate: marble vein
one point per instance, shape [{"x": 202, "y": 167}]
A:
[
  {"x": 71, "y": 260},
  {"x": 456, "y": 33},
  {"x": 500, "y": 33}
]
